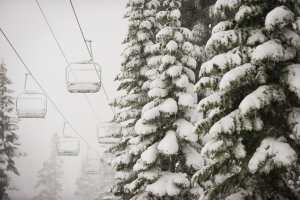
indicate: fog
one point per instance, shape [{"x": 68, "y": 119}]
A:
[{"x": 103, "y": 22}]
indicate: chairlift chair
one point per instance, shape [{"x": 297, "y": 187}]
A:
[
  {"x": 83, "y": 77},
  {"x": 93, "y": 166},
  {"x": 31, "y": 103},
  {"x": 108, "y": 134},
  {"x": 68, "y": 145}
]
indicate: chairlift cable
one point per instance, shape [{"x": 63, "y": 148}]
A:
[
  {"x": 43, "y": 90},
  {"x": 90, "y": 53},
  {"x": 52, "y": 31},
  {"x": 64, "y": 55}
]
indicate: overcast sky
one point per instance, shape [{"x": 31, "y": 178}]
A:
[{"x": 103, "y": 23}]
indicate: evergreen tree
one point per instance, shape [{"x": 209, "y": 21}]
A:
[
  {"x": 249, "y": 131},
  {"x": 165, "y": 128},
  {"x": 133, "y": 93},
  {"x": 8, "y": 137},
  {"x": 49, "y": 185}
]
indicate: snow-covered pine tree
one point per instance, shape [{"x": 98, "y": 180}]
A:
[
  {"x": 249, "y": 131},
  {"x": 8, "y": 128},
  {"x": 133, "y": 95},
  {"x": 165, "y": 130},
  {"x": 49, "y": 185}
]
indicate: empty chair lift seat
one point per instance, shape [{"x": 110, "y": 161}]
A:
[
  {"x": 93, "y": 166},
  {"x": 84, "y": 77},
  {"x": 109, "y": 133},
  {"x": 31, "y": 105},
  {"x": 68, "y": 147}
]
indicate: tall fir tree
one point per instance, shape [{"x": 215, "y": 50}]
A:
[
  {"x": 49, "y": 186},
  {"x": 165, "y": 128},
  {"x": 133, "y": 96},
  {"x": 249, "y": 131},
  {"x": 8, "y": 136}
]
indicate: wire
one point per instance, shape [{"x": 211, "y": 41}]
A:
[
  {"x": 64, "y": 55},
  {"x": 43, "y": 89},
  {"x": 90, "y": 53},
  {"x": 52, "y": 32}
]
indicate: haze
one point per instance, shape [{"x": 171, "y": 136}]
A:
[{"x": 103, "y": 23}]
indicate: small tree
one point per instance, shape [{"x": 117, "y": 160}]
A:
[
  {"x": 8, "y": 137},
  {"x": 49, "y": 177}
]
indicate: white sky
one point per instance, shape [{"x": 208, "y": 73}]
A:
[{"x": 103, "y": 23}]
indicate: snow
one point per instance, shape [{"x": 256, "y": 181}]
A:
[
  {"x": 232, "y": 123},
  {"x": 123, "y": 159},
  {"x": 169, "y": 184},
  {"x": 239, "y": 150},
  {"x": 149, "y": 175},
  {"x": 146, "y": 25},
  {"x": 186, "y": 100},
  {"x": 186, "y": 130},
  {"x": 246, "y": 12},
  {"x": 236, "y": 75},
  {"x": 175, "y": 14},
  {"x": 187, "y": 33},
  {"x": 222, "y": 62},
  {"x": 296, "y": 25},
  {"x": 291, "y": 37},
  {"x": 211, "y": 147},
  {"x": 151, "y": 114},
  {"x": 174, "y": 71},
  {"x": 261, "y": 97},
  {"x": 223, "y": 41},
  {"x": 150, "y": 155},
  {"x": 172, "y": 46},
  {"x": 294, "y": 123},
  {"x": 278, "y": 18},
  {"x": 240, "y": 195},
  {"x": 189, "y": 61},
  {"x": 187, "y": 47},
  {"x": 272, "y": 50},
  {"x": 182, "y": 82},
  {"x": 222, "y": 26},
  {"x": 150, "y": 105},
  {"x": 256, "y": 36},
  {"x": 272, "y": 153},
  {"x": 178, "y": 37},
  {"x": 137, "y": 149},
  {"x": 139, "y": 166},
  {"x": 291, "y": 78},
  {"x": 206, "y": 82},
  {"x": 123, "y": 175},
  {"x": 193, "y": 158},
  {"x": 152, "y": 48},
  {"x": 142, "y": 36},
  {"x": 144, "y": 129},
  {"x": 213, "y": 100},
  {"x": 168, "y": 60},
  {"x": 164, "y": 33},
  {"x": 158, "y": 83},
  {"x": 169, "y": 106},
  {"x": 229, "y": 5},
  {"x": 168, "y": 145},
  {"x": 154, "y": 60},
  {"x": 136, "y": 2},
  {"x": 157, "y": 92}
]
